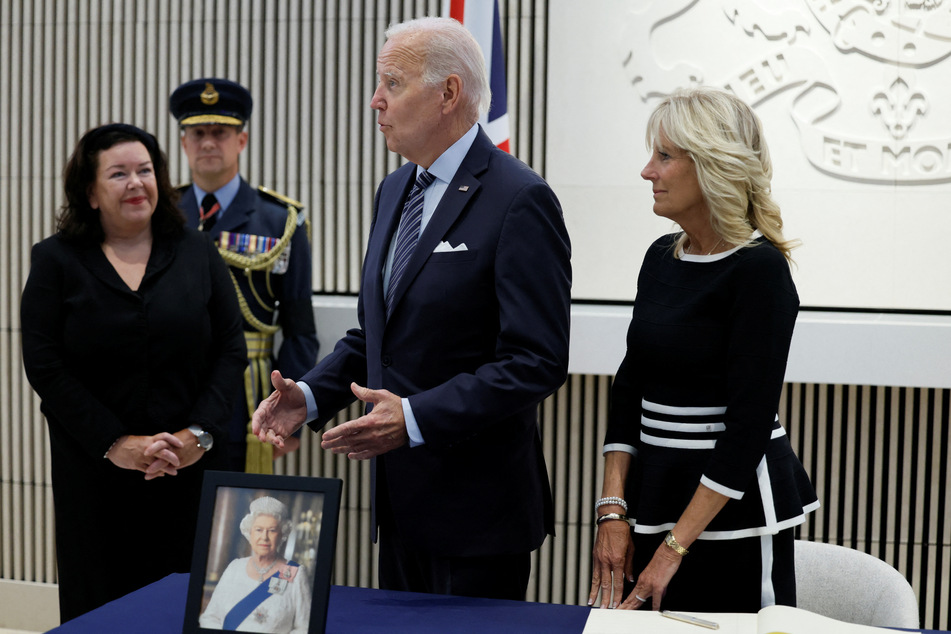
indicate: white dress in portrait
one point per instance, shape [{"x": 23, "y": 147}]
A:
[{"x": 286, "y": 610}]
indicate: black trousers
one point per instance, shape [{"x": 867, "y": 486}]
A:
[
  {"x": 404, "y": 567},
  {"x": 735, "y": 575}
]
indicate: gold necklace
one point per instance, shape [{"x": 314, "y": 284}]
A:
[{"x": 710, "y": 252}]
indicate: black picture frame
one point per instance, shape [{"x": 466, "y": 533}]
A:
[{"x": 313, "y": 505}]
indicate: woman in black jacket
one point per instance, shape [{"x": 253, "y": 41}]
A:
[{"x": 132, "y": 339}]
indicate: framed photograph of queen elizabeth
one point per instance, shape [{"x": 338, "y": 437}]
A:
[{"x": 263, "y": 554}]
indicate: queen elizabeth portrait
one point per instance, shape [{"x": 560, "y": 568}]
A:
[{"x": 266, "y": 591}]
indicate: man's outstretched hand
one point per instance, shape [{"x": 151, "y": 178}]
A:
[
  {"x": 280, "y": 414},
  {"x": 383, "y": 429}
]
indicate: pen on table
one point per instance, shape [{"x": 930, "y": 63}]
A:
[{"x": 686, "y": 618}]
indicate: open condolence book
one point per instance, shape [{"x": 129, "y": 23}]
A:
[{"x": 776, "y": 619}]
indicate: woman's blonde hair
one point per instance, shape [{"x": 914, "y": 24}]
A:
[{"x": 724, "y": 138}]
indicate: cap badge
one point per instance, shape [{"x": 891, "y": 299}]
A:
[{"x": 210, "y": 96}]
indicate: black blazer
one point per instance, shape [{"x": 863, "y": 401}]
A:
[
  {"x": 107, "y": 361},
  {"x": 477, "y": 338}
]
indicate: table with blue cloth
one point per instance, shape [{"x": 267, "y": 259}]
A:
[{"x": 159, "y": 608}]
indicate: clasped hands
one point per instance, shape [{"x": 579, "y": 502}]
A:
[
  {"x": 379, "y": 431},
  {"x": 156, "y": 456}
]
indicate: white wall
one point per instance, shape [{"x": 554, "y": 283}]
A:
[
  {"x": 828, "y": 347},
  {"x": 842, "y": 87}
]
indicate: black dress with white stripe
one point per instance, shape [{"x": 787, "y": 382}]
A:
[{"x": 696, "y": 397}]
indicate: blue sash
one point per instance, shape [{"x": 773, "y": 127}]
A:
[{"x": 256, "y": 597}]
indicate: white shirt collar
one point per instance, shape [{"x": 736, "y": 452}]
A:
[{"x": 446, "y": 166}]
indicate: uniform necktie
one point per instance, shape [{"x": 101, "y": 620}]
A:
[
  {"x": 209, "y": 213},
  {"x": 408, "y": 234}
]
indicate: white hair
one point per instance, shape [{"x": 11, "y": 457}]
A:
[
  {"x": 450, "y": 49},
  {"x": 267, "y": 506}
]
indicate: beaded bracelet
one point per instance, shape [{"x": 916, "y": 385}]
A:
[{"x": 611, "y": 500}]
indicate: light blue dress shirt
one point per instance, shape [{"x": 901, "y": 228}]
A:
[{"x": 224, "y": 196}]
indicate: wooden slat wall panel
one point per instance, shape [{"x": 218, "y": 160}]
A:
[
  {"x": 878, "y": 455},
  {"x": 879, "y": 459}
]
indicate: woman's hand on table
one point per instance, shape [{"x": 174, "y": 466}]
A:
[
  {"x": 611, "y": 562},
  {"x": 654, "y": 579}
]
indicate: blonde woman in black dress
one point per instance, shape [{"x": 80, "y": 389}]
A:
[{"x": 701, "y": 488}]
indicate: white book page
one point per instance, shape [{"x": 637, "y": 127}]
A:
[
  {"x": 781, "y": 619},
  {"x": 628, "y": 621}
]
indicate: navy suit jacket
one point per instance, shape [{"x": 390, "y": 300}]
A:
[
  {"x": 253, "y": 212},
  {"x": 476, "y": 340}
]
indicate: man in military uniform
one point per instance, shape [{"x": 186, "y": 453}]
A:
[{"x": 262, "y": 235}]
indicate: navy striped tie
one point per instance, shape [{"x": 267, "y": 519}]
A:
[{"x": 408, "y": 234}]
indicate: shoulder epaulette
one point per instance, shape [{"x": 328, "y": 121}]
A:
[{"x": 281, "y": 198}]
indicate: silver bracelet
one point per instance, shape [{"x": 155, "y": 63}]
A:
[
  {"x": 610, "y": 500},
  {"x": 613, "y": 516},
  {"x": 105, "y": 456}
]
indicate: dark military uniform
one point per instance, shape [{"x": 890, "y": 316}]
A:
[{"x": 263, "y": 237}]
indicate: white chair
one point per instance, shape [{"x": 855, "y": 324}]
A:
[{"x": 853, "y": 586}]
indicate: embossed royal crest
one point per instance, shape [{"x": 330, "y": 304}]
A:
[
  {"x": 859, "y": 78},
  {"x": 914, "y": 33}
]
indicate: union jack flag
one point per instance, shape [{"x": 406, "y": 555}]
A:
[{"x": 481, "y": 18}]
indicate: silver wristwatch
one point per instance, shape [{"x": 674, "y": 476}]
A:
[{"x": 205, "y": 440}]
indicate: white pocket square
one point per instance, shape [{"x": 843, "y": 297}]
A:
[{"x": 445, "y": 247}]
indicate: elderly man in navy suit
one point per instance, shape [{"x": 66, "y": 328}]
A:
[{"x": 464, "y": 317}]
